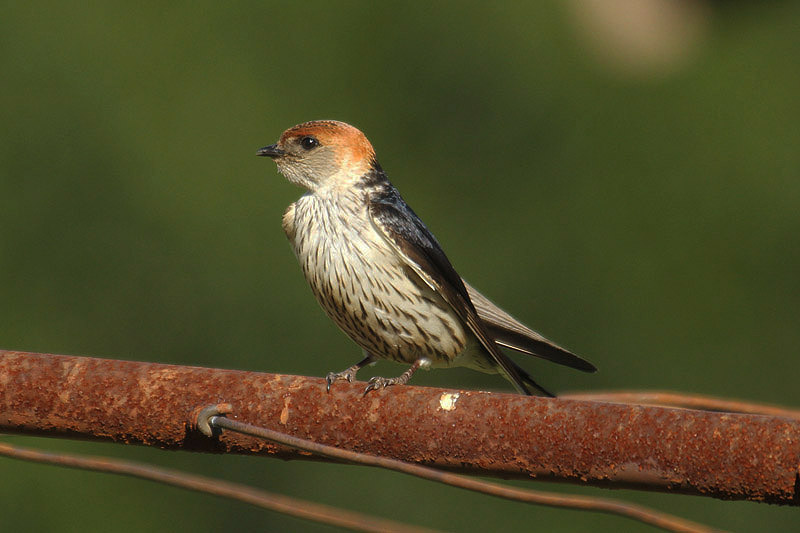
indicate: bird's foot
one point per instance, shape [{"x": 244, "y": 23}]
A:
[
  {"x": 349, "y": 375},
  {"x": 378, "y": 382}
]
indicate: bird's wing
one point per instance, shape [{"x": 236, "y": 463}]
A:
[
  {"x": 509, "y": 332},
  {"x": 411, "y": 239}
]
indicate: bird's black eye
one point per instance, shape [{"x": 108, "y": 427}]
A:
[{"x": 309, "y": 143}]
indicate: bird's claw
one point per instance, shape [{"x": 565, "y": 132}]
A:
[
  {"x": 378, "y": 382},
  {"x": 348, "y": 375}
]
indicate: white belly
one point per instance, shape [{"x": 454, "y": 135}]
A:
[{"x": 367, "y": 289}]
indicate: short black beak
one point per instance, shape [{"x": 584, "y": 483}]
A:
[{"x": 270, "y": 151}]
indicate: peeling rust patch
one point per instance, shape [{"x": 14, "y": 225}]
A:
[
  {"x": 285, "y": 411},
  {"x": 447, "y": 401}
]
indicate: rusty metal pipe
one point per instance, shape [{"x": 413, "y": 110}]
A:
[{"x": 728, "y": 456}]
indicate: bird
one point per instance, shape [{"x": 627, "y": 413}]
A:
[{"x": 380, "y": 274}]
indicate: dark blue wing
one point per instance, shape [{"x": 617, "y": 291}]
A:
[{"x": 409, "y": 236}]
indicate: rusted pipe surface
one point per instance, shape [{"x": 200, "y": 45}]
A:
[{"x": 727, "y": 456}]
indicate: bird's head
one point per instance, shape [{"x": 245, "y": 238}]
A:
[{"x": 321, "y": 153}]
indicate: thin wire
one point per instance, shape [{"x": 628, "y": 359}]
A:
[
  {"x": 276, "y": 502},
  {"x": 688, "y": 401},
  {"x": 585, "y": 503}
]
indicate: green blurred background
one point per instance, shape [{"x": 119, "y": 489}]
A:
[{"x": 623, "y": 176}]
